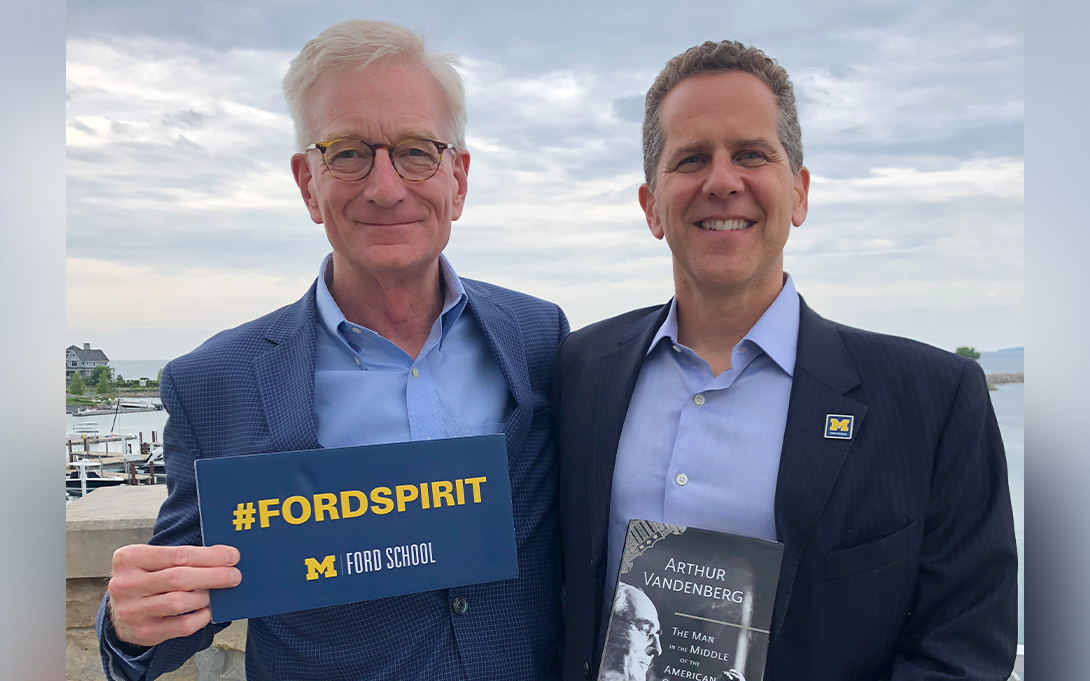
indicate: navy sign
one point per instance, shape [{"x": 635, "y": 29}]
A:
[{"x": 330, "y": 526}]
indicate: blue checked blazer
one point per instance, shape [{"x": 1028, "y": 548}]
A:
[
  {"x": 899, "y": 551},
  {"x": 250, "y": 390}
]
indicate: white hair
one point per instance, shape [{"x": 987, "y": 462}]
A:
[{"x": 357, "y": 44}]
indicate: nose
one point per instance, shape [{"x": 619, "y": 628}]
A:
[
  {"x": 724, "y": 178},
  {"x": 383, "y": 185},
  {"x": 656, "y": 643}
]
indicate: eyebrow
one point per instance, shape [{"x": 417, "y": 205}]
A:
[
  {"x": 412, "y": 133},
  {"x": 756, "y": 142},
  {"x": 744, "y": 142}
]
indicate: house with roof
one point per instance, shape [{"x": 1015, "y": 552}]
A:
[{"x": 83, "y": 360}]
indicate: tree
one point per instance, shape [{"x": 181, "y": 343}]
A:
[
  {"x": 100, "y": 372},
  {"x": 76, "y": 386},
  {"x": 966, "y": 351},
  {"x": 103, "y": 387}
]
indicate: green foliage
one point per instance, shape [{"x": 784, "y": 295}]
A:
[
  {"x": 76, "y": 386},
  {"x": 159, "y": 376},
  {"x": 966, "y": 351},
  {"x": 103, "y": 387},
  {"x": 98, "y": 373}
]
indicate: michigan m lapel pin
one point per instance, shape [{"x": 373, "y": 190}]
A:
[{"x": 839, "y": 426}]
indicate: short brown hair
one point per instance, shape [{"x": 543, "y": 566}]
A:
[{"x": 725, "y": 56}]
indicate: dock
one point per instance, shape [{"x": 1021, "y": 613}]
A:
[{"x": 94, "y": 439}]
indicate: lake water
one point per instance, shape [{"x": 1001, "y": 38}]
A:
[
  {"x": 1008, "y": 401},
  {"x": 137, "y": 368}
]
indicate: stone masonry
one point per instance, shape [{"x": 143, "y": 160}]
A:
[{"x": 95, "y": 526}]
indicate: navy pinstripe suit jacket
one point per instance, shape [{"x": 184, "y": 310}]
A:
[
  {"x": 899, "y": 558},
  {"x": 250, "y": 390}
]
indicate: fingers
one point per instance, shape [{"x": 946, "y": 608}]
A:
[
  {"x": 133, "y": 583},
  {"x": 141, "y": 570},
  {"x": 150, "y": 631},
  {"x": 161, "y": 592},
  {"x": 151, "y": 558}
]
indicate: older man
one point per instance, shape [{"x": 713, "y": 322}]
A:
[
  {"x": 389, "y": 344},
  {"x": 637, "y": 637},
  {"x": 877, "y": 461}
]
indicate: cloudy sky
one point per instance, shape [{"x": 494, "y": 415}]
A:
[{"x": 183, "y": 219}]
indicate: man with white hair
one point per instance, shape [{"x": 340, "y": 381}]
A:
[
  {"x": 635, "y": 637},
  {"x": 388, "y": 345}
]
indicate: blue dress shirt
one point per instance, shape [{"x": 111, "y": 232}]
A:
[
  {"x": 454, "y": 388},
  {"x": 700, "y": 450}
]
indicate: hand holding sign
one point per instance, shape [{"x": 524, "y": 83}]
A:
[{"x": 161, "y": 592}]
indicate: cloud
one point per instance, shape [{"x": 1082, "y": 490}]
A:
[
  {"x": 996, "y": 177},
  {"x": 178, "y": 145},
  {"x": 103, "y": 294}
]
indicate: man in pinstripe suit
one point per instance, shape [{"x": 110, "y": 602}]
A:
[
  {"x": 877, "y": 461},
  {"x": 389, "y": 344}
]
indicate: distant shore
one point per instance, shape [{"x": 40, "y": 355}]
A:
[{"x": 1000, "y": 379}]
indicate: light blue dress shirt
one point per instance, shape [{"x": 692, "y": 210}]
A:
[
  {"x": 702, "y": 450},
  {"x": 454, "y": 388}
]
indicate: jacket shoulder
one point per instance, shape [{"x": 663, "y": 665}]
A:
[
  {"x": 897, "y": 346},
  {"x": 613, "y": 330},
  {"x": 514, "y": 300},
  {"x": 904, "y": 361}
]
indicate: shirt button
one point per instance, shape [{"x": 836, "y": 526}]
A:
[
  {"x": 682, "y": 479},
  {"x": 358, "y": 362},
  {"x": 698, "y": 399},
  {"x": 676, "y": 349},
  {"x": 460, "y": 605},
  {"x": 356, "y": 329},
  {"x": 416, "y": 372}
]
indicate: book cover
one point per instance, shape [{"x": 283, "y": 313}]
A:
[
  {"x": 331, "y": 526},
  {"x": 690, "y": 604}
]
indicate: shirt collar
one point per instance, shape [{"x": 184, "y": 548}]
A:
[
  {"x": 776, "y": 333},
  {"x": 333, "y": 320}
]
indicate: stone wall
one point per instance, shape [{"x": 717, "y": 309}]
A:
[{"x": 95, "y": 526}]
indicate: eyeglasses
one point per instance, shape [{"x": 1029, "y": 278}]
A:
[
  {"x": 644, "y": 626},
  {"x": 415, "y": 160}
]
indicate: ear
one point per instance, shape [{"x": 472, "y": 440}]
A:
[
  {"x": 647, "y": 202},
  {"x": 300, "y": 168},
  {"x": 802, "y": 190},
  {"x": 461, "y": 185}
]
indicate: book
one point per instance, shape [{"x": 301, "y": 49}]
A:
[
  {"x": 331, "y": 526},
  {"x": 690, "y": 604}
]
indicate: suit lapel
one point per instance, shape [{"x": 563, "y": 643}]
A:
[
  {"x": 614, "y": 382},
  {"x": 285, "y": 372},
  {"x": 809, "y": 462},
  {"x": 505, "y": 341},
  {"x": 285, "y": 379}
]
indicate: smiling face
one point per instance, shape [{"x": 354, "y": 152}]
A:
[
  {"x": 725, "y": 197},
  {"x": 381, "y": 226}
]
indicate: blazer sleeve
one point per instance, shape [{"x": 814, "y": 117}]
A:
[
  {"x": 964, "y": 619},
  {"x": 178, "y": 523}
]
